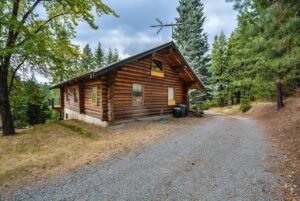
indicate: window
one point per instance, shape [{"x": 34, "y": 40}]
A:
[
  {"x": 137, "y": 95},
  {"x": 157, "y": 68},
  {"x": 171, "y": 96},
  {"x": 95, "y": 95}
]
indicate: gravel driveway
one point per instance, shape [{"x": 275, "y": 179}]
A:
[{"x": 222, "y": 159}]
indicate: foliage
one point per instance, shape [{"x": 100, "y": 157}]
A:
[
  {"x": 207, "y": 104},
  {"x": 112, "y": 56},
  {"x": 116, "y": 56},
  {"x": 29, "y": 103},
  {"x": 36, "y": 35},
  {"x": 245, "y": 104},
  {"x": 91, "y": 61},
  {"x": 192, "y": 41},
  {"x": 262, "y": 59},
  {"x": 87, "y": 60},
  {"x": 99, "y": 56},
  {"x": 218, "y": 68}
]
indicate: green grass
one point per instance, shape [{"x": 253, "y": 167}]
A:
[{"x": 79, "y": 131}]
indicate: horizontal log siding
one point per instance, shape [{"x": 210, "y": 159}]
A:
[
  {"x": 104, "y": 99},
  {"x": 89, "y": 108},
  {"x": 155, "y": 89}
]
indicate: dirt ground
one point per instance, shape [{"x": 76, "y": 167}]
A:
[
  {"x": 49, "y": 150},
  {"x": 284, "y": 127}
]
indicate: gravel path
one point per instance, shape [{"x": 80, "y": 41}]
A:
[{"x": 222, "y": 159}]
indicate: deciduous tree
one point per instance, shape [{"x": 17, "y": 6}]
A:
[{"x": 37, "y": 32}]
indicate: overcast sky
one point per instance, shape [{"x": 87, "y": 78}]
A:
[{"x": 130, "y": 33}]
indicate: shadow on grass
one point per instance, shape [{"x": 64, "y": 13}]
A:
[{"x": 79, "y": 131}]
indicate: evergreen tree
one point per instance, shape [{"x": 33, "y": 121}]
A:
[
  {"x": 263, "y": 60},
  {"x": 116, "y": 56},
  {"x": 219, "y": 67},
  {"x": 36, "y": 112},
  {"x": 109, "y": 57},
  {"x": 280, "y": 45},
  {"x": 192, "y": 41},
  {"x": 29, "y": 103},
  {"x": 269, "y": 47},
  {"x": 99, "y": 56},
  {"x": 87, "y": 60},
  {"x": 233, "y": 71}
]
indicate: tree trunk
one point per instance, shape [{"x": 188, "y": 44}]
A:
[
  {"x": 279, "y": 95},
  {"x": 6, "y": 116}
]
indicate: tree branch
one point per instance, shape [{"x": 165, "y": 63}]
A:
[
  {"x": 14, "y": 75},
  {"x": 30, "y": 10},
  {"x": 49, "y": 20},
  {"x": 15, "y": 11},
  {"x": 26, "y": 15},
  {"x": 42, "y": 26}
]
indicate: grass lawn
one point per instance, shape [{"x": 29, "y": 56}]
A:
[{"x": 48, "y": 150}]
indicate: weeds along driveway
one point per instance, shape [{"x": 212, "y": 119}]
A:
[{"x": 222, "y": 159}]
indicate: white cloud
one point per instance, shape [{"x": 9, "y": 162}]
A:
[
  {"x": 126, "y": 43},
  {"x": 219, "y": 17},
  {"x": 130, "y": 33}
]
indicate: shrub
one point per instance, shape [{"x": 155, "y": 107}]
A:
[
  {"x": 245, "y": 104},
  {"x": 207, "y": 105}
]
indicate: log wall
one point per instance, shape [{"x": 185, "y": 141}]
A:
[
  {"x": 115, "y": 92},
  {"x": 90, "y": 108},
  {"x": 84, "y": 104},
  {"x": 155, "y": 89}
]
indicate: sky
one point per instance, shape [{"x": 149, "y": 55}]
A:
[{"x": 131, "y": 33}]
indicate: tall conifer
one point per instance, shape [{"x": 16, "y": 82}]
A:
[{"x": 192, "y": 41}]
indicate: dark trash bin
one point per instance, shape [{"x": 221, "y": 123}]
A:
[
  {"x": 176, "y": 112},
  {"x": 184, "y": 111}
]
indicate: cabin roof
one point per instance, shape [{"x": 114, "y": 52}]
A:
[{"x": 116, "y": 65}]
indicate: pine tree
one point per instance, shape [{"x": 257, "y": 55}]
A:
[
  {"x": 192, "y": 41},
  {"x": 110, "y": 57},
  {"x": 116, "y": 56},
  {"x": 264, "y": 59},
  {"x": 99, "y": 56},
  {"x": 219, "y": 68},
  {"x": 87, "y": 60},
  {"x": 281, "y": 45}
]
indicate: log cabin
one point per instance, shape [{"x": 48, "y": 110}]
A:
[{"x": 142, "y": 85}]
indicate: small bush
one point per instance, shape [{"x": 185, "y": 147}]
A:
[
  {"x": 195, "y": 107},
  {"x": 207, "y": 105},
  {"x": 245, "y": 104}
]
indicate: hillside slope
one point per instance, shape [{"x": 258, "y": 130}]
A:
[{"x": 284, "y": 125}]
